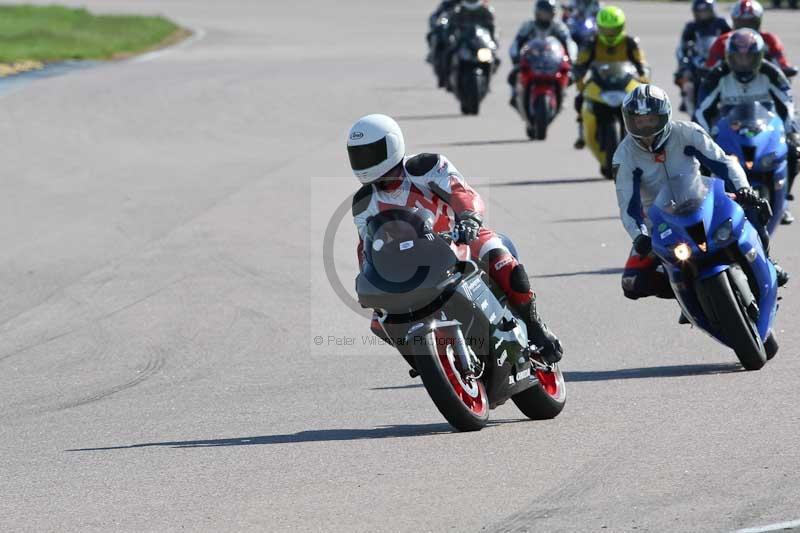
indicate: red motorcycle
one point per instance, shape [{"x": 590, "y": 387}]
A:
[{"x": 544, "y": 74}]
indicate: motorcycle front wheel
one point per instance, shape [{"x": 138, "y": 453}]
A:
[
  {"x": 464, "y": 404},
  {"x": 721, "y": 304},
  {"x": 541, "y": 118}
]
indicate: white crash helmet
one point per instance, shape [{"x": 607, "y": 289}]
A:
[
  {"x": 375, "y": 145},
  {"x": 472, "y": 4}
]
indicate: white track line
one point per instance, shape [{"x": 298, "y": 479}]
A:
[
  {"x": 197, "y": 35},
  {"x": 771, "y": 527}
]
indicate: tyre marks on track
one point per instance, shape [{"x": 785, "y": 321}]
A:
[{"x": 153, "y": 365}]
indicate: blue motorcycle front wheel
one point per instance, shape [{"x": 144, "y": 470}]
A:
[{"x": 724, "y": 309}]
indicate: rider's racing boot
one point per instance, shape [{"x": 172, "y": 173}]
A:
[
  {"x": 781, "y": 274},
  {"x": 787, "y": 218},
  {"x": 580, "y": 142},
  {"x": 540, "y": 334}
]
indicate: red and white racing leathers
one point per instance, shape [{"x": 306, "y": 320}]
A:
[
  {"x": 775, "y": 50},
  {"x": 430, "y": 182}
]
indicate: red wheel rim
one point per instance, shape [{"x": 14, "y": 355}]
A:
[
  {"x": 550, "y": 382},
  {"x": 474, "y": 397}
]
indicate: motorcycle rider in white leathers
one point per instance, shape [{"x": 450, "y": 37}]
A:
[
  {"x": 655, "y": 150},
  {"x": 429, "y": 182},
  {"x": 746, "y": 77}
]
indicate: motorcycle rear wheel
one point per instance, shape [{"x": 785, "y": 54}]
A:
[
  {"x": 546, "y": 399},
  {"x": 464, "y": 405}
]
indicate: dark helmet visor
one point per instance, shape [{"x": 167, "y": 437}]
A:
[
  {"x": 645, "y": 125},
  {"x": 743, "y": 62},
  {"x": 367, "y": 155}
]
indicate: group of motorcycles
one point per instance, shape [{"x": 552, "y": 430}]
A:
[{"x": 452, "y": 323}]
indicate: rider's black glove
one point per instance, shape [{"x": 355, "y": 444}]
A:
[
  {"x": 748, "y": 198},
  {"x": 643, "y": 244},
  {"x": 468, "y": 225}
]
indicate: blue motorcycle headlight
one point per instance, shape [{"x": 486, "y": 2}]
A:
[{"x": 724, "y": 232}]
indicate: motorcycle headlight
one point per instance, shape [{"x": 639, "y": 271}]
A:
[
  {"x": 724, "y": 231},
  {"x": 484, "y": 55},
  {"x": 682, "y": 252}
]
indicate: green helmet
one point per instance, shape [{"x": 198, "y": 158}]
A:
[{"x": 611, "y": 25}]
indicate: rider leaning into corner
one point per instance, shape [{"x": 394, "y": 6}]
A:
[
  {"x": 543, "y": 25},
  {"x": 746, "y": 77},
  {"x": 611, "y": 44},
  {"x": 390, "y": 180},
  {"x": 655, "y": 149}
]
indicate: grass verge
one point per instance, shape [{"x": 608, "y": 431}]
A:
[{"x": 42, "y": 34}]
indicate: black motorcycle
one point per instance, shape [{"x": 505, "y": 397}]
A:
[
  {"x": 693, "y": 67},
  {"x": 452, "y": 324},
  {"x": 473, "y": 60}
]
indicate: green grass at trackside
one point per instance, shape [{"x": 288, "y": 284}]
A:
[{"x": 54, "y": 33}]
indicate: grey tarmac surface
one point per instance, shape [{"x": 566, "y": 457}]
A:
[{"x": 161, "y": 286}]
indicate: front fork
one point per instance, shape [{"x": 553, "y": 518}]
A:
[{"x": 471, "y": 365}]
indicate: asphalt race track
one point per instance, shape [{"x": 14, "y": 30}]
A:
[{"x": 173, "y": 357}]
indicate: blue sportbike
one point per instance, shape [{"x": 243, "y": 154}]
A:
[
  {"x": 582, "y": 28},
  {"x": 756, "y": 137},
  {"x": 722, "y": 279}
]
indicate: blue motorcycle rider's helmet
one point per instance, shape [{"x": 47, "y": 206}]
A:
[
  {"x": 647, "y": 114},
  {"x": 744, "y": 54},
  {"x": 703, "y": 11}
]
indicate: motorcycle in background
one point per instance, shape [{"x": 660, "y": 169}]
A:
[
  {"x": 544, "y": 74},
  {"x": 582, "y": 28},
  {"x": 438, "y": 37},
  {"x": 473, "y": 61},
  {"x": 602, "y": 108},
  {"x": 452, "y": 324},
  {"x": 723, "y": 281},
  {"x": 692, "y": 69},
  {"x": 755, "y": 136}
]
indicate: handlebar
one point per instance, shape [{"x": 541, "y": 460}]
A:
[{"x": 449, "y": 236}]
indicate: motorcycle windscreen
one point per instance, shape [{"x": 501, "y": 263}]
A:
[
  {"x": 407, "y": 276},
  {"x": 543, "y": 56},
  {"x": 614, "y": 73},
  {"x": 682, "y": 195},
  {"x": 749, "y": 118}
]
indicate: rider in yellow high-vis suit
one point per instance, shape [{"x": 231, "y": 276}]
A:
[{"x": 611, "y": 44}]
